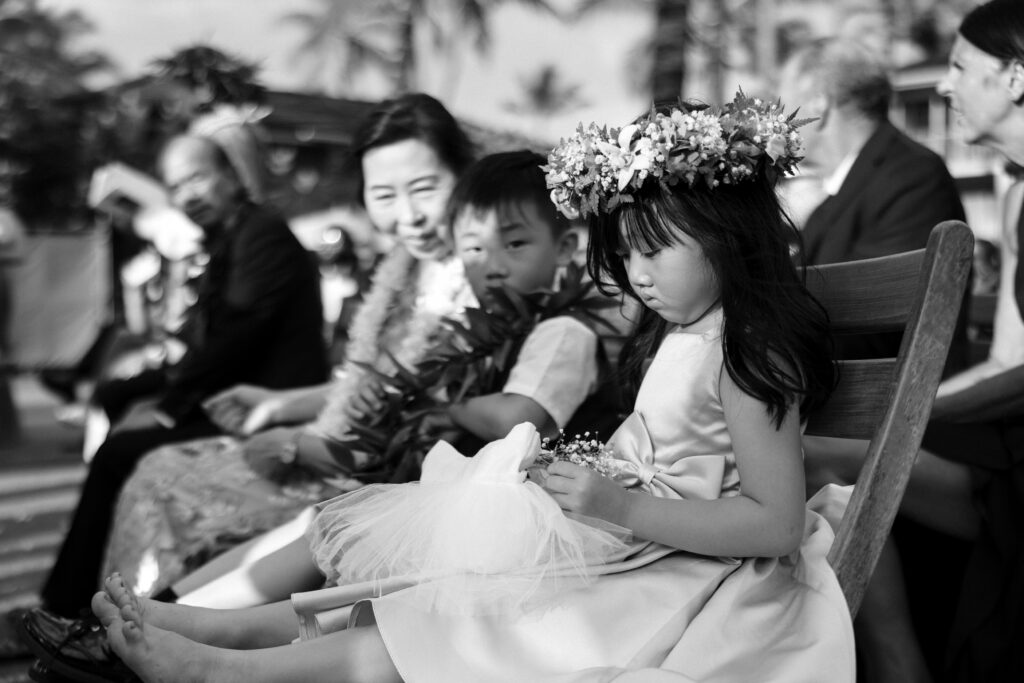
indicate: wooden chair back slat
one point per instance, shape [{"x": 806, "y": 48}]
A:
[
  {"x": 919, "y": 292},
  {"x": 855, "y": 409},
  {"x": 872, "y": 295}
]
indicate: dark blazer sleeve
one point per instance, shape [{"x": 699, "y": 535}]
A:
[
  {"x": 901, "y": 206},
  {"x": 265, "y": 261}
]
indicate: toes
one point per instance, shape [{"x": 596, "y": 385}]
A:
[
  {"x": 116, "y": 635},
  {"x": 115, "y": 587},
  {"x": 119, "y": 591},
  {"x": 132, "y": 632},
  {"x": 103, "y": 607}
]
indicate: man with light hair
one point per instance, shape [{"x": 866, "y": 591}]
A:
[
  {"x": 257, "y": 320},
  {"x": 885, "y": 192}
]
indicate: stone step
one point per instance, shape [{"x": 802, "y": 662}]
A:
[{"x": 41, "y": 478}]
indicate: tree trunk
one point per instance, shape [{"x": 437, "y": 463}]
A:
[
  {"x": 406, "y": 75},
  {"x": 767, "y": 43},
  {"x": 671, "y": 34}
]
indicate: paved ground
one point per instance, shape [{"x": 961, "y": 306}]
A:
[{"x": 40, "y": 476}]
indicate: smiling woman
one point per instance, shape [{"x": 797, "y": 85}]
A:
[
  {"x": 190, "y": 501},
  {"x": 407, "y": 195}
]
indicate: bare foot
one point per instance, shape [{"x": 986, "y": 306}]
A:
[
  {"x": 157, "y": 655},
  {"x": 117, "y": 595}
]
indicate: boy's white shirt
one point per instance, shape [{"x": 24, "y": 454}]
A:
[{"x": 556, "y": 367}]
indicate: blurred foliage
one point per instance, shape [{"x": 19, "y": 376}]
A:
[
  {"x": 344, "y": 37},
  {"x": 41, "y": 128},
  {"x": 211, "y": 77},
  {"x": 474, "y": 359},
  {"x": 54, "y": 131}
]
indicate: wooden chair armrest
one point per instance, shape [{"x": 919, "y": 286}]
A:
[{"x": 992, "y": 398}]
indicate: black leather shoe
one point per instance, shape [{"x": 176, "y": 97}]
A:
[
  {"x": 39, "y": 673},
  {"x": 12, "y": 645},
  {"x": 71, "y": 649}
]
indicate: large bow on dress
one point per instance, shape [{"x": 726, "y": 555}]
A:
[{"x": 693, "y": 476}]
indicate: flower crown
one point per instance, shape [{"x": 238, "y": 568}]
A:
[{"x": 597, "y": 169}]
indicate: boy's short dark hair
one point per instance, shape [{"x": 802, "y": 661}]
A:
[{"x": 500, "y": 180}]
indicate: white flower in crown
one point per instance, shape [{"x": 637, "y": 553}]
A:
[{"x": 597, "y": 169}]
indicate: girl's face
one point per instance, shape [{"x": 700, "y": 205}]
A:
[
  {"x": 977, "y": 86},
  {"x": 405, "y": 189},
  {"x": 676, "y": 282}
]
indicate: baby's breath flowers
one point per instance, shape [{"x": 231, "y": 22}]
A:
[
  {"x": 598, "y": 168},
  {"x": 584, "y": 451}
]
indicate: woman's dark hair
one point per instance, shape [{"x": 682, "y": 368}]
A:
[
  {"x": 502, "y": 180},
  {"x": 997, "y": 28},
  {"x": 776, "y": 339},
  {"x": 414, "y": 116}
]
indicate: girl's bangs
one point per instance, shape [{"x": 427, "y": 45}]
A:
[{"x": 644, "y": 228}]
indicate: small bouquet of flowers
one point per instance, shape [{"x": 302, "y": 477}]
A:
[{"x": 584, "y": 451}]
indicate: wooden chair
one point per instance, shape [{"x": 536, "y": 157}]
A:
[{"x": 887, "y": 401}]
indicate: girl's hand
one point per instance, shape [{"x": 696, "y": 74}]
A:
[
  {"x": 272, "y": 454},
  {"x": 585, "y": 492}
]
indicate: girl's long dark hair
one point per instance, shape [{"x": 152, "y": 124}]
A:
[{"x": 776, "y": 339}]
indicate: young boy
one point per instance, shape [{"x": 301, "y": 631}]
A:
[{"x": 508, "y": 234}]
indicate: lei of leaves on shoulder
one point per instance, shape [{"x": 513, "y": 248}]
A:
[
  {"x": 473, "y": 359},
  {"x": 393, "y": 327}
]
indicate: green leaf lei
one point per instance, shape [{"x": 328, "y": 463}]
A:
[{"x": 472, "y": 359}]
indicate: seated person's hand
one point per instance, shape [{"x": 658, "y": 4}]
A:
[
  {"x": 439, "y": 425},
  {"x": 128, "y": 364},
  {"x": 368, "y": 401},
  {"x": 141, "y": 415},
  {"x": 585, "y": 492},
  {"x": 538, "y": 474},
  {"x": 243, "y": 409},
  {"x": 273, "y": 454}
]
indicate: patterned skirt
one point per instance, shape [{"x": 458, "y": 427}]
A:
[{"x": 188, "y": 502}]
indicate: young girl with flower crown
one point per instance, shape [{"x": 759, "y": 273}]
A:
[{"x": 692, "y": 557}]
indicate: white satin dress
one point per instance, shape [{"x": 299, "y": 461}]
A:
[{"x": 650, "y": 613}]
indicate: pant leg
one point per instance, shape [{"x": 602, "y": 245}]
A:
[
  {"x": 116, "y": 395},
  {"x": 75, "y": 575}
]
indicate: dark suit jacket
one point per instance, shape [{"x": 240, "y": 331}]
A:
[
  {"x": 896, "y": 191},
  {"x": 258, "y": 318}
]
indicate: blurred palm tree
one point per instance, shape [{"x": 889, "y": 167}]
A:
[
  {"x": 344, "y": 37},
  {"x": 544, "y": 94},
  {"x": 724, "y": 34},
  {"x": 210, "y": 77},
  {"x": 663, "y": 55}
]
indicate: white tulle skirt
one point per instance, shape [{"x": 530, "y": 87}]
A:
[{"x": 473, "y": 536}]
